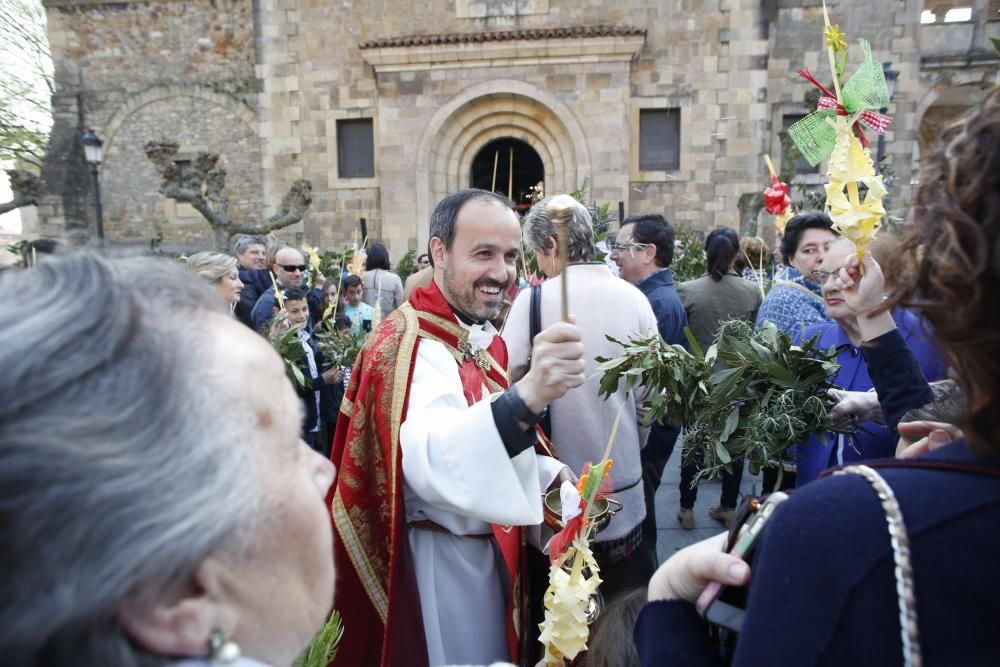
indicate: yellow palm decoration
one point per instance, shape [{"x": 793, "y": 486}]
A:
[{"x": 851, "y": 164}]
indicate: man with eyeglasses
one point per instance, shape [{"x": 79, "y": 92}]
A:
[
  {"x": 289, "y": 269},
  {"x": 644, "y": 251}
]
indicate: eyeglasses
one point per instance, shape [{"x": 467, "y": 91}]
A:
[
  {"x": 821, "y": 276},
  {"x": 628, "y": 245},
  {"x": 291, "y": 268}
]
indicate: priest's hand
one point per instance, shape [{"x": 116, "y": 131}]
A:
[{"x": 557, "y": 366}]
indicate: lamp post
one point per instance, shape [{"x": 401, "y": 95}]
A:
[
  {"x": 92, "y": 151},
  {"x": 890, "y": 82}
]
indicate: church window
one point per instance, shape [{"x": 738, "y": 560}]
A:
[
  {"x": 355, "y": 148},
  {"x": 659, "y": 139}
]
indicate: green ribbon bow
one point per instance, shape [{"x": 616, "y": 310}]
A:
[{"x": 862, "y": 96}]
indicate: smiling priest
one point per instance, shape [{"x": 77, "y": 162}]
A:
[{"x": 439, "y": 465}]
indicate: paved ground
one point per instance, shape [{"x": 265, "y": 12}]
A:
[{"x": 670, "y": 536}]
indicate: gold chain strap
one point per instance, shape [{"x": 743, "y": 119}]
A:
[{"x": 901, "y": 556}]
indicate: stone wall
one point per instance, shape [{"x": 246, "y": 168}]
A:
[
  {"x": 149, "y": 70},
  {"x": 264, "y": 84}
]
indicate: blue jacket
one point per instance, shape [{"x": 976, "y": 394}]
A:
[
  {"x": 823, "y": 590},
  {"x": 793, "y": 303},
  {"x": 662, "y": 295},
  {"x": 263, "y": 310},
  {"x": 831, "y": 449}
]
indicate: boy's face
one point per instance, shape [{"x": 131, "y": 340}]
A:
[
  {"x": 298, "y": 312},
  {"x": 354, "y": 295}
]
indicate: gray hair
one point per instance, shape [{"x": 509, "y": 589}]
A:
[
  {"x": 245, "y": 241},
  {"x": 212, "y": 266},
  {"x": 538, "y": 228},
  {"x": 120, "y": 461}
]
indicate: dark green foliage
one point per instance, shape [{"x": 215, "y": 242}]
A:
[
  {"x": 689, "y": 263},
  {"x": 407, "y": 265},
  {"x": 770, "y": 395}
]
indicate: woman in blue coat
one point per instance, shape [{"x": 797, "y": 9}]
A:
[{"x": 872, "y": 439}]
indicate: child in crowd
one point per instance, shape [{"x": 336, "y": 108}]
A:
[{"x": 359, "y": 312}]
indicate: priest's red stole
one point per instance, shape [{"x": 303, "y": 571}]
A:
[{"x": 376, "y": 591}]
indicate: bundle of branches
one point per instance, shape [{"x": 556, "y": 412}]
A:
[
  {"x": 768, "y": 395},
  {"x": 323, "y": 648},
  {"x": 339, "y": 348},
  {"x": 285, "y": 340}
]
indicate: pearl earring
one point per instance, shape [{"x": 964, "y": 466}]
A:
[{"x": 223, "y": 650}]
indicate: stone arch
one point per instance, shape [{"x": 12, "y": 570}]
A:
[
  {"x": 197, "y": 119},
  {"x": 493, "y": 110},
  {"x": 158, "y": 93},
  {"x": 960, "y": 91}
]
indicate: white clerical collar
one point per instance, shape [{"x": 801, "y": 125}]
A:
[{"x": 480, "y": 335}]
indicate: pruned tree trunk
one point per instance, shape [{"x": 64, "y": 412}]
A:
[
  {"x": 27, "y": 189},
  {"x": 200, "y": 183}
]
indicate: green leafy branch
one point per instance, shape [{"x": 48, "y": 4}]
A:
[
  {"x": 767, "y": 396},
  {"x": 285, "y": 340},
  {"x": 323, "y": 648}
]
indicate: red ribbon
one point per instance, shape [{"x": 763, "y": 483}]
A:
[
  {"x": 876, "y": 121},
  {"x": 776, "y": 199}
]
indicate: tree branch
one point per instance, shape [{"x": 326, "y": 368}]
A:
[
  {"x": 27, "y": 189},
  {"x": 201, "y": 182}
]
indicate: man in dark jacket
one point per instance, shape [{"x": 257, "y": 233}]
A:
[
  {"x": 643, "y": 251},
  {"x": 251, "y": 256}
]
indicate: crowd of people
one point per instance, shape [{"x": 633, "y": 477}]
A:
[{"x": 167, "y": 497}]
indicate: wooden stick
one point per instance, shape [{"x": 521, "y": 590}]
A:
[
  {"x": 833, "y": 57},
  {"x": 560, "y": 209},
  {"x": 496, "y": 160},
  {"x": 510, "y": 178},
  {"x": 770, "y": 165}
]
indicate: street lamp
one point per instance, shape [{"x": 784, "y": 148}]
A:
[
  {"x": 890, "y": 82},
  {"x": 92, "y": 151}
]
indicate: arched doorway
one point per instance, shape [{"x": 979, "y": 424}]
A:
[{"x": 508, "y": 166}]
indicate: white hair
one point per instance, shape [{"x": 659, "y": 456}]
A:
[{"x": 121, "y": 466}]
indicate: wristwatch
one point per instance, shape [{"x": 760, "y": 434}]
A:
[{"x": 519, "y": 410}]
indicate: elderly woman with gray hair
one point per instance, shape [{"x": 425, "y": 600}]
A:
[
  {"x": 220, "y": 270},
  {"x": 581, "y": 421},
  {"x": 157, "y": 506}
]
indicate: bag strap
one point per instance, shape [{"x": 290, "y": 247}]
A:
[
  {"x": 535, "y": 327},
  {"x": 535, "y": 319},
  {"x": 905, "y": 593}
]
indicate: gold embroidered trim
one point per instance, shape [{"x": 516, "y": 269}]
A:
[
  {"x": 345, "y": 529},
  {"x": 346, "y": 407}
]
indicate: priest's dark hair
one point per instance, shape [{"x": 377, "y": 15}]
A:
[
  {"x": 721, "y": 247},
  {"x": 446, "y": 214},
  {"x": 654, "y": 228}
]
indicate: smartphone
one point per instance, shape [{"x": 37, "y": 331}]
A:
[
  {"x": 723, "y": 605},
  {"x": 366, "y": 325}
]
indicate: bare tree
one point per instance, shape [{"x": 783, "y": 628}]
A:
[
  {"x": 25, "y": 84},
  {"x": 200, "y": 183},
  {"x": 27, "y": 188}
]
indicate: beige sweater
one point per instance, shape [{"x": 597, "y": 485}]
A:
[{"x": 581, "y": 420}]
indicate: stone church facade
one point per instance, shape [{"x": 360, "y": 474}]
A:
[{"x": 665, "y": 105}]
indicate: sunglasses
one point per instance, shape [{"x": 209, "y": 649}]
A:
[{"x": 293, "y": 267}]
